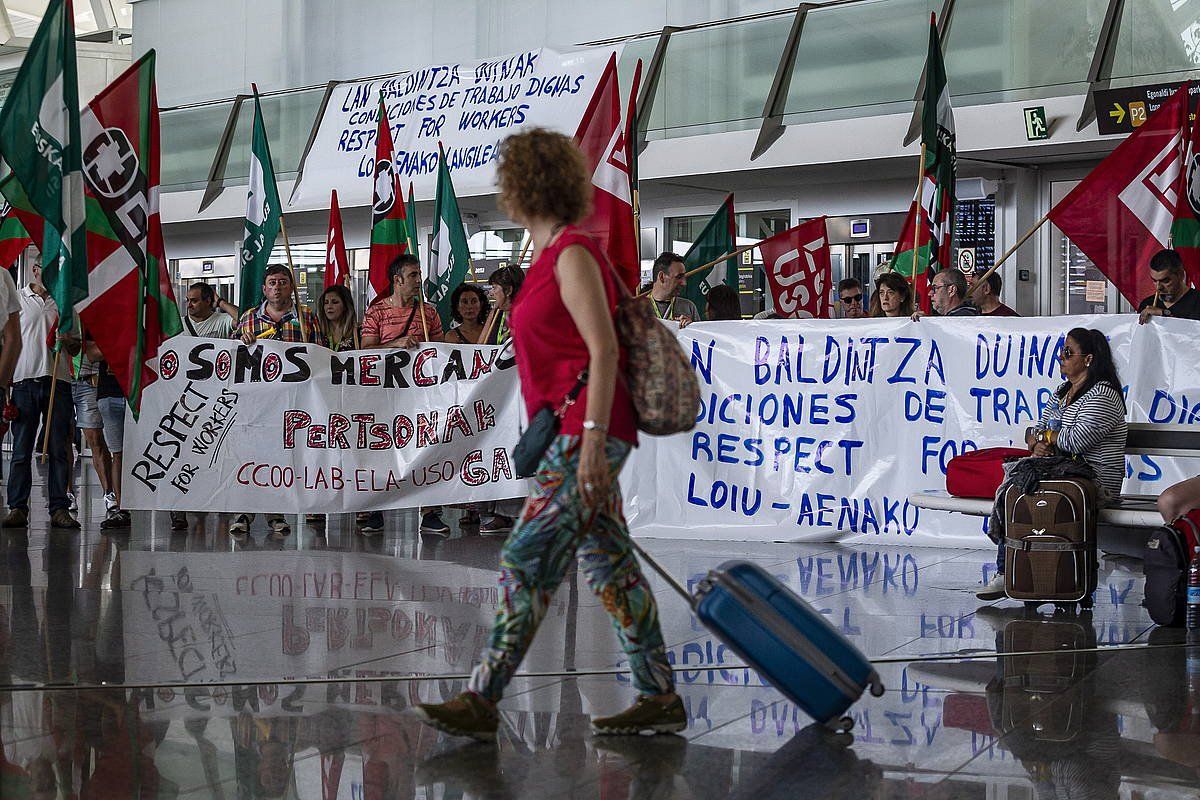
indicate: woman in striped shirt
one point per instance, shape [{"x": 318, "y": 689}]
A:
[{"x": 1084, "y": 418}]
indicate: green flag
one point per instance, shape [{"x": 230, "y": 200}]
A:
[
  {"x": 717, "y": 239},
  {"x": 39, "y": 138},
  {"x": 263, "y": 214},
  {"x": 930, "y": 222},
  {"x": 449, "y": 257},
  {"x": 411, "y": 218}
]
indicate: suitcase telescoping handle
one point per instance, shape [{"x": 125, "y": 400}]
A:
[{"x": 666, "y": 576}]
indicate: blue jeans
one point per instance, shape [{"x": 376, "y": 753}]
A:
[{"x": 32, "y": 398}]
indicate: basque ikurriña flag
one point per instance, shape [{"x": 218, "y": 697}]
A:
[
  {"x": 389, "y": 230},
  {"x": 927, "y": 237},
  {"x": 130, "y": 308}
]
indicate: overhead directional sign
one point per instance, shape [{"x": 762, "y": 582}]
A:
[{"x": 1122, "y": 110}]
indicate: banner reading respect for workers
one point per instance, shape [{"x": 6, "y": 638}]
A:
[
  {"x": 820, "y": 430},
  {"x": 469, "y": 107},
  {"x": 281, "y": 427}
]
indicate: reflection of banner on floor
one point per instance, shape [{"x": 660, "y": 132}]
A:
[
  {"x": 820, "y": 430},
  {"x": 203, "y": 617},
  {"x": 280, "y": 427}
]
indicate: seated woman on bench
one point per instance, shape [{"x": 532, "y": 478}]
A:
[{"x": 1084, "y": 418}]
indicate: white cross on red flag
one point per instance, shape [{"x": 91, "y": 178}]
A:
[
  {"x": 1121, "y": 213},
  {"x": 337, "y": 265},
  {"x": 798, "y": 270}
]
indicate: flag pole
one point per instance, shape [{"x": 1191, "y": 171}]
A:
[
  {"x": 732, "y": 253},
  {"x": 981, "y": 279},
  {"x": 493, "y": 315},
  {"x": 917, "y": 215},
  {"x": 420, "y": 301},
  {"x": 50, "y": 407},
  {"x": 287, "y": 249}
]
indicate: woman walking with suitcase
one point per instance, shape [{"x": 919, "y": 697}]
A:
[
  {"x": 563, "y": 333},
  {"x": 1085, "y": 419}
]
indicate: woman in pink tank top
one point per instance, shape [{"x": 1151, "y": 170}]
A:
[{"x": 562, "y": 326}]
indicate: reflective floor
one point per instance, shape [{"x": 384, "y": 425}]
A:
[{"x": 182, "y": 664}]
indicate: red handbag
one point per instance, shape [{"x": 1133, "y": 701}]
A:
[{"x": 979, "y": 473}]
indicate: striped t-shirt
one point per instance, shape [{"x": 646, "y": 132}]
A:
[{"x": 1093, "y": 427}]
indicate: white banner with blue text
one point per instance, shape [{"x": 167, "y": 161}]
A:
[
  {"x": 820, "y": 430},
  {"x": 468, "y": 107},
  {"x": 291, "y": 428}
]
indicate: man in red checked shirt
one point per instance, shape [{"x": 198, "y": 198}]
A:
[{"x": 403, "y": 319}]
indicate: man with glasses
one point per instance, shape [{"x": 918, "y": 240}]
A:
[
  {"x": 948, "y": 293},
  {"x": 850, "y": 295}
]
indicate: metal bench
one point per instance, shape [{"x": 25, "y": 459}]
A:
[{"x": 1130, "y": 512}]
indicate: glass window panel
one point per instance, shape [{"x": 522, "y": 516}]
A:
[
  {"x": 289, "y": 119},
  {"x": 1157, "y": 37},
  {"x": 864, "y": 54},
  {"x": 994, "y": 48},
  {"x": 189, "y": 139},
  {"x": 1080, "y": 287},
  {"x": 717, "y": 79},
  {"x": 633, "y": 50}
]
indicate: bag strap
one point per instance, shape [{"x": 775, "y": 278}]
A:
[
  {"x": 1026, "y": 545},
  {"x": 570, "y": 397},
  {"x": 188, "y": 322}
]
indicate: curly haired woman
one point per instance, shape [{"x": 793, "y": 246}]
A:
[{"x": 562, "y": 325}]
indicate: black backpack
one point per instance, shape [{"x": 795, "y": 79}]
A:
[{"x": 1165, "y": 564}]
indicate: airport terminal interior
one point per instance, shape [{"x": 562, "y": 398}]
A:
[{"x": 172, "y": 655}]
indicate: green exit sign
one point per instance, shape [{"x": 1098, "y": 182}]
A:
[{"x": 1035, "y": 123}]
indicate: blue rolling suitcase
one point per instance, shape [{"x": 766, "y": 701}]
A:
[{"x": 782, "y": 638}]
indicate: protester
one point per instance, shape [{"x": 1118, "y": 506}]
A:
[
  {"x": 668, "y": 275},
  {"x": 850, "y": 296},
  {"x": 1085, "y": 418},
  {"x": 84, "y": 393},
  {"x": 562, "y": 326},
  {"x": 722, "y": 303},
  {"x": 948, "y": 294},
  {"x": 893, "y": 296},
  {"x": 503, "y": 285},
  {"x": 402, "y": 319},
  {"x": 469, "y": 308},
  {"x": 203, "y": 317},
  {"x": 987, "y": 298},
  {"x": 1172, "y": 295},
  {"x": 1179, "y": 499},
  {"x": 111, "y": 402},
  {"x": 339, "y": 319},
  {"x": 31, "y": 394},
  {"x": 277, "y": 317}
]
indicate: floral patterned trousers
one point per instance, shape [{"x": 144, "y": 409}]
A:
[{"x": 554, "y": 528}]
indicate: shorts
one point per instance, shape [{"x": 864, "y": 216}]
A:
[
  {"x": 112, "y": 409},
  {"x": 87, "y": 412}
]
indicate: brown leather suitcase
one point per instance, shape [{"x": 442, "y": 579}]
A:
[
  {"x": 1042, "y": 696},
  {"x": 1050, "y": 543}
]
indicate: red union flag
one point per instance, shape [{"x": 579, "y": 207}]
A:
[
  {"x": 337, "y": 265},
  {"x": 799, "y": 270},
  {"x": 1121, "y": 213},
  {"x": 604, "y": 137}
]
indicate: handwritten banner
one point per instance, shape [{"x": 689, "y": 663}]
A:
[
  {"x": 470, "y": 107},
  {"x": 820, "y": 430},
  {"x": 278, "y": 427}
]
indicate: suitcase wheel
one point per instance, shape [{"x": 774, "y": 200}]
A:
[
  {"x": 841, "y": 725},
  {"x": 1088, "y": 602},
  {"x": 877, "y": 689}
]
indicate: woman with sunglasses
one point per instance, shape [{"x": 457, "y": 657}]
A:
[{"x": 1084, "y": 418}]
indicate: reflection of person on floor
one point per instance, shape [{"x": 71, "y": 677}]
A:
[{"x": 263, "y": 753}]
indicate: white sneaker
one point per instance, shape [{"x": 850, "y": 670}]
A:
[
  {"x": 72, "y": 503},
  {"x": 110, "y": 502},
  {"x": 994, "y": 590}
]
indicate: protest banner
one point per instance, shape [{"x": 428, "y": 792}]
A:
[
  {"x": 282, "y": 427},
  {"x": 820, "y": 430},
  {"x": 470, "y": 107}
]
